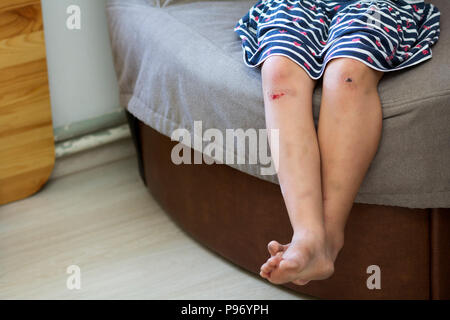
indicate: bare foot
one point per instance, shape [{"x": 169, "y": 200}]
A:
[
  {"x": 306, "y": 258},
  {"x": 276, "y": 251},
  {"x": 274, "y": 247}
]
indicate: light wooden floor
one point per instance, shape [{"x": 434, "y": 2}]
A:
[{"x": 100, "y": 217}]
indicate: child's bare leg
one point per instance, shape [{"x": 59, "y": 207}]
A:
[
  {"x": 288, "y": 103},
  {"x": 349, "y": 131}
]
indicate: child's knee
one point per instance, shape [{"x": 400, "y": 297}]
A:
[
  {"x": 279, "y": 78},
  {"x": 283, "y": 78},
  {"x": 278, "y": 70},
  {"x": 349, "y": 75}
]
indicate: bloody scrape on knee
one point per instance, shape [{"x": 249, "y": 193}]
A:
[
  {"x": 275, "y": 96},
  {"x": 280, "y": 93}
]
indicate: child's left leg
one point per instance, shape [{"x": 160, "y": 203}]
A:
[{"x": 349, "y": 131}]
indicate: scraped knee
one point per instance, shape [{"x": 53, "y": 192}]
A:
[
  {"x": 278, "y": 79},
  {"x": 282, "y": 78},
  {"x": 277, "y": 94}
]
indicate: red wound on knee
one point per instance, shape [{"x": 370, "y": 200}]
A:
[{"x": 276, "y": 96}]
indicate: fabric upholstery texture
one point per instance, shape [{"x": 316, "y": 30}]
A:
[{"x": 180, "y": 61}]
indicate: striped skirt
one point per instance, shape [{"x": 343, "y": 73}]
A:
[{"x": 386, "y": 35}]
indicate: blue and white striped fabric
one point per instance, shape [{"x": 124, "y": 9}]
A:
[{"x": 386, "y": 35}]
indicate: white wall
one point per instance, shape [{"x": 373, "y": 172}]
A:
[{"x": 81, "y": 73}]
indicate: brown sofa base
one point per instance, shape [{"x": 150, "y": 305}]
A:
[{"x": 236, "y": 215}]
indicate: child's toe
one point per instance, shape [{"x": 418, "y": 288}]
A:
[
  {"x": 274, "y": 247},
  {"x": 266, "y": 268},
  {"x": 275, "y": 260}
]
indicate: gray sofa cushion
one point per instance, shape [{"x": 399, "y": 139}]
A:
[{"x": 180, "y": 61}]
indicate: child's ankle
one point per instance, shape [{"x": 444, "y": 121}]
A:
[
  {"x": 315, "y": 233},
  {"x": 335, "y": 242}
]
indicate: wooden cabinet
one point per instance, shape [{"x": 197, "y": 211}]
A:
[{"x": 26, "y": 133}]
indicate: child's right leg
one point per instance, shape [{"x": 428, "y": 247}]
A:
[{"x": 288, "y": 94}]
